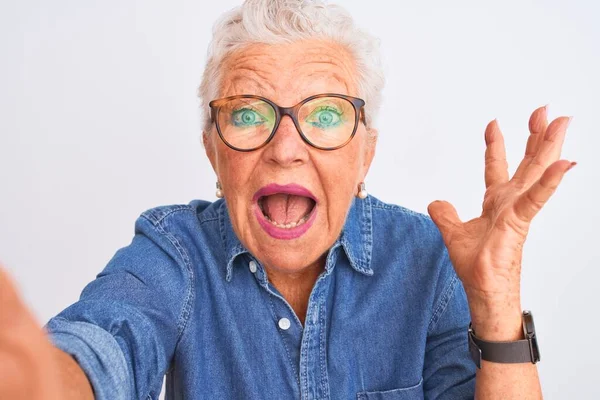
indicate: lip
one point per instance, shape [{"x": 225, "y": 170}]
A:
[
  {"x": 274, "y": 231},
  {"x": 290, "y": 188}
]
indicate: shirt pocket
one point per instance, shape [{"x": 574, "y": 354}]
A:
[{"x": 408, "y": 393}]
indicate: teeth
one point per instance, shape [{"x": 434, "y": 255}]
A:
[{"x": 288, "y": 225}]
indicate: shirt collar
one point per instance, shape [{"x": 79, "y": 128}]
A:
[{"x": 356, "y": 238}]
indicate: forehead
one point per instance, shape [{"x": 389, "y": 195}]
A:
[{"x": 289, "y": 72}]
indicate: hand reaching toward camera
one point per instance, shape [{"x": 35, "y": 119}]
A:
[{"x": 30, "y": 366}]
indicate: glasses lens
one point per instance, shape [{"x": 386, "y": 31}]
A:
[
  {"x": 246, "y": 123},
  {"x": 327, "y": 121}
]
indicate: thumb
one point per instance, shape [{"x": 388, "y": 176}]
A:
[{"x": 446, "y": 218}]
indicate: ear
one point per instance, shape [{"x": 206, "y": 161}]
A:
[
  {"x": 209, "y": 147},
  {"x": 370, "y": 145}
]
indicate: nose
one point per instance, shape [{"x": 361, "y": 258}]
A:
[{"x": 287, "y": 149}]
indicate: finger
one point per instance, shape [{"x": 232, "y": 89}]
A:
[
  {"x": 446, "y": 218},
  {"x": 538, "y": 123},
  {"x": 496, "y": 167},
  {"x": 531, "y": 201},
  {"x": 549, "y": 151}
]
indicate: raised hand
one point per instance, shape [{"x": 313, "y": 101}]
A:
[{"x": 486, "y": 251}]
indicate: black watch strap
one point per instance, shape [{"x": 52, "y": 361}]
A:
[{"x": 519, "y": 351}]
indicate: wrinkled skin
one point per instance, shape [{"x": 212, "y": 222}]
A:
[
  {"x": 487, "y": 251},
  {"x": 287, "y": 74}
]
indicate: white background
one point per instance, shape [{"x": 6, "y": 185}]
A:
[{"x": 99, "y": 121}]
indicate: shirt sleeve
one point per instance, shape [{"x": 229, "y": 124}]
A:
[
  {"x": 449, "y": 372},
  {"x": 126, "y": 324}
]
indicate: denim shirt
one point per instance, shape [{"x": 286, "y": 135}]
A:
[{"x": 387, "y": 318}]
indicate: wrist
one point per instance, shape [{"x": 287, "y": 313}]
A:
[
  {"x": 499, "y": 329},
  {"x": 496, "y": 318}
]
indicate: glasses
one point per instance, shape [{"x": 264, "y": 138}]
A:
[{"x": 325, "y": 121}]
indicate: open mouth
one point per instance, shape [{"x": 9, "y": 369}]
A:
[{"x": 285, "y": 211}]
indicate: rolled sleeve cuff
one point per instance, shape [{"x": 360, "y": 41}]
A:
[{"x": 97, "y": 353}]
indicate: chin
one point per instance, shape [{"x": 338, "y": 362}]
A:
[
  {"x": 286, "y": 227},
  {"x": 288, "y": 254}
]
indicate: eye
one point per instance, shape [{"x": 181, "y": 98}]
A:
[
  {"x": 325, "y": 117},
  {"x": 245, "y": 117}
]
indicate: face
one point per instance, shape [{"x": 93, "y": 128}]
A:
[{"x": 287, "y": 182}]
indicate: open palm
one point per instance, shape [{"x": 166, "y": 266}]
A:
[{"x": 486, "y": 251}]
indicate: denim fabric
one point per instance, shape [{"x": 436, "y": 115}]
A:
[{"x": 387, "y": 319}]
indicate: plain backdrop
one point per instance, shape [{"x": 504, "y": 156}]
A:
[{"x": 99, "y": 121}]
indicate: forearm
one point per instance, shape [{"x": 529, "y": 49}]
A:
[
  {"x": 504, "y": 381},
  {"x": 507, "y": 381},
  {"x": 75, "y": 384}
]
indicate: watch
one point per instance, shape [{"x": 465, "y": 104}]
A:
[{"x": 519, "y": 351}]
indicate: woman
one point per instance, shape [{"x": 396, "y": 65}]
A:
[{"x": 298, "y": 284}]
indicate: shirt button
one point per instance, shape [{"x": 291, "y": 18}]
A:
[
  {"x": 252, "y": 266},
  {"x": 284, "y": 324}
]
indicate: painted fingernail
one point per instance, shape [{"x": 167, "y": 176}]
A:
[{"x": 572, "y": 165}]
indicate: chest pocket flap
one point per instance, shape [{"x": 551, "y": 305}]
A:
[{"x": 408, "y": 393}]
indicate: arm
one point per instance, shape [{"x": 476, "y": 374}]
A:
[
  {"x": 124, "y": 329},
  {"x": 30, "y": 367},
  {"x": 487, "y": 251},
  {"x": 448, "y": 372},
  {"x": 75, "y": 385},
  {"x": 507, "y": 381},
  {"x": 116, "y": 342}
]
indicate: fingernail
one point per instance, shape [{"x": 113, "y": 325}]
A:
[
  {"x": 574, "y": 163},
  {"x": 551, "y": 133},
  {"x": 547, "y": 108},
  {"x": 487, "y": 135}
]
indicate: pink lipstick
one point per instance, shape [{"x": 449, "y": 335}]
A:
[{"x": 282, "y": 230}]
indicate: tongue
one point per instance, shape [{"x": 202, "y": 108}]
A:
[{"x": 286, "y": 208}]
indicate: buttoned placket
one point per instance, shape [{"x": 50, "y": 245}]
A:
[{"x": 309, "y": 342}]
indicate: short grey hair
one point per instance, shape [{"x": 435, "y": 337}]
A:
[{"x": 286, "y": 21}]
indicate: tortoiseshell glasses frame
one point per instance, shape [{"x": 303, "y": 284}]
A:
[{"x": 292, "y": 112}]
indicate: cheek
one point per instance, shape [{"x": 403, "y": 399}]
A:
[
  {"x": 235, "y": 172},
  {"x": 344, "y": 168},
  {"x": 339, "y": 178},
  {"x": 234, "y": 168}
]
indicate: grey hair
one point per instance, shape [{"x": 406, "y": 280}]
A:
[{"x": 286, "y": 21}]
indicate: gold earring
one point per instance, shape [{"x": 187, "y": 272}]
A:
[
  {"x": 219, "y": 192},
  {"x": 362, "y": 192}
]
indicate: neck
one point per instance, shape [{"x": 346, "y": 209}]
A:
[{"x": 296, "y": 286}]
